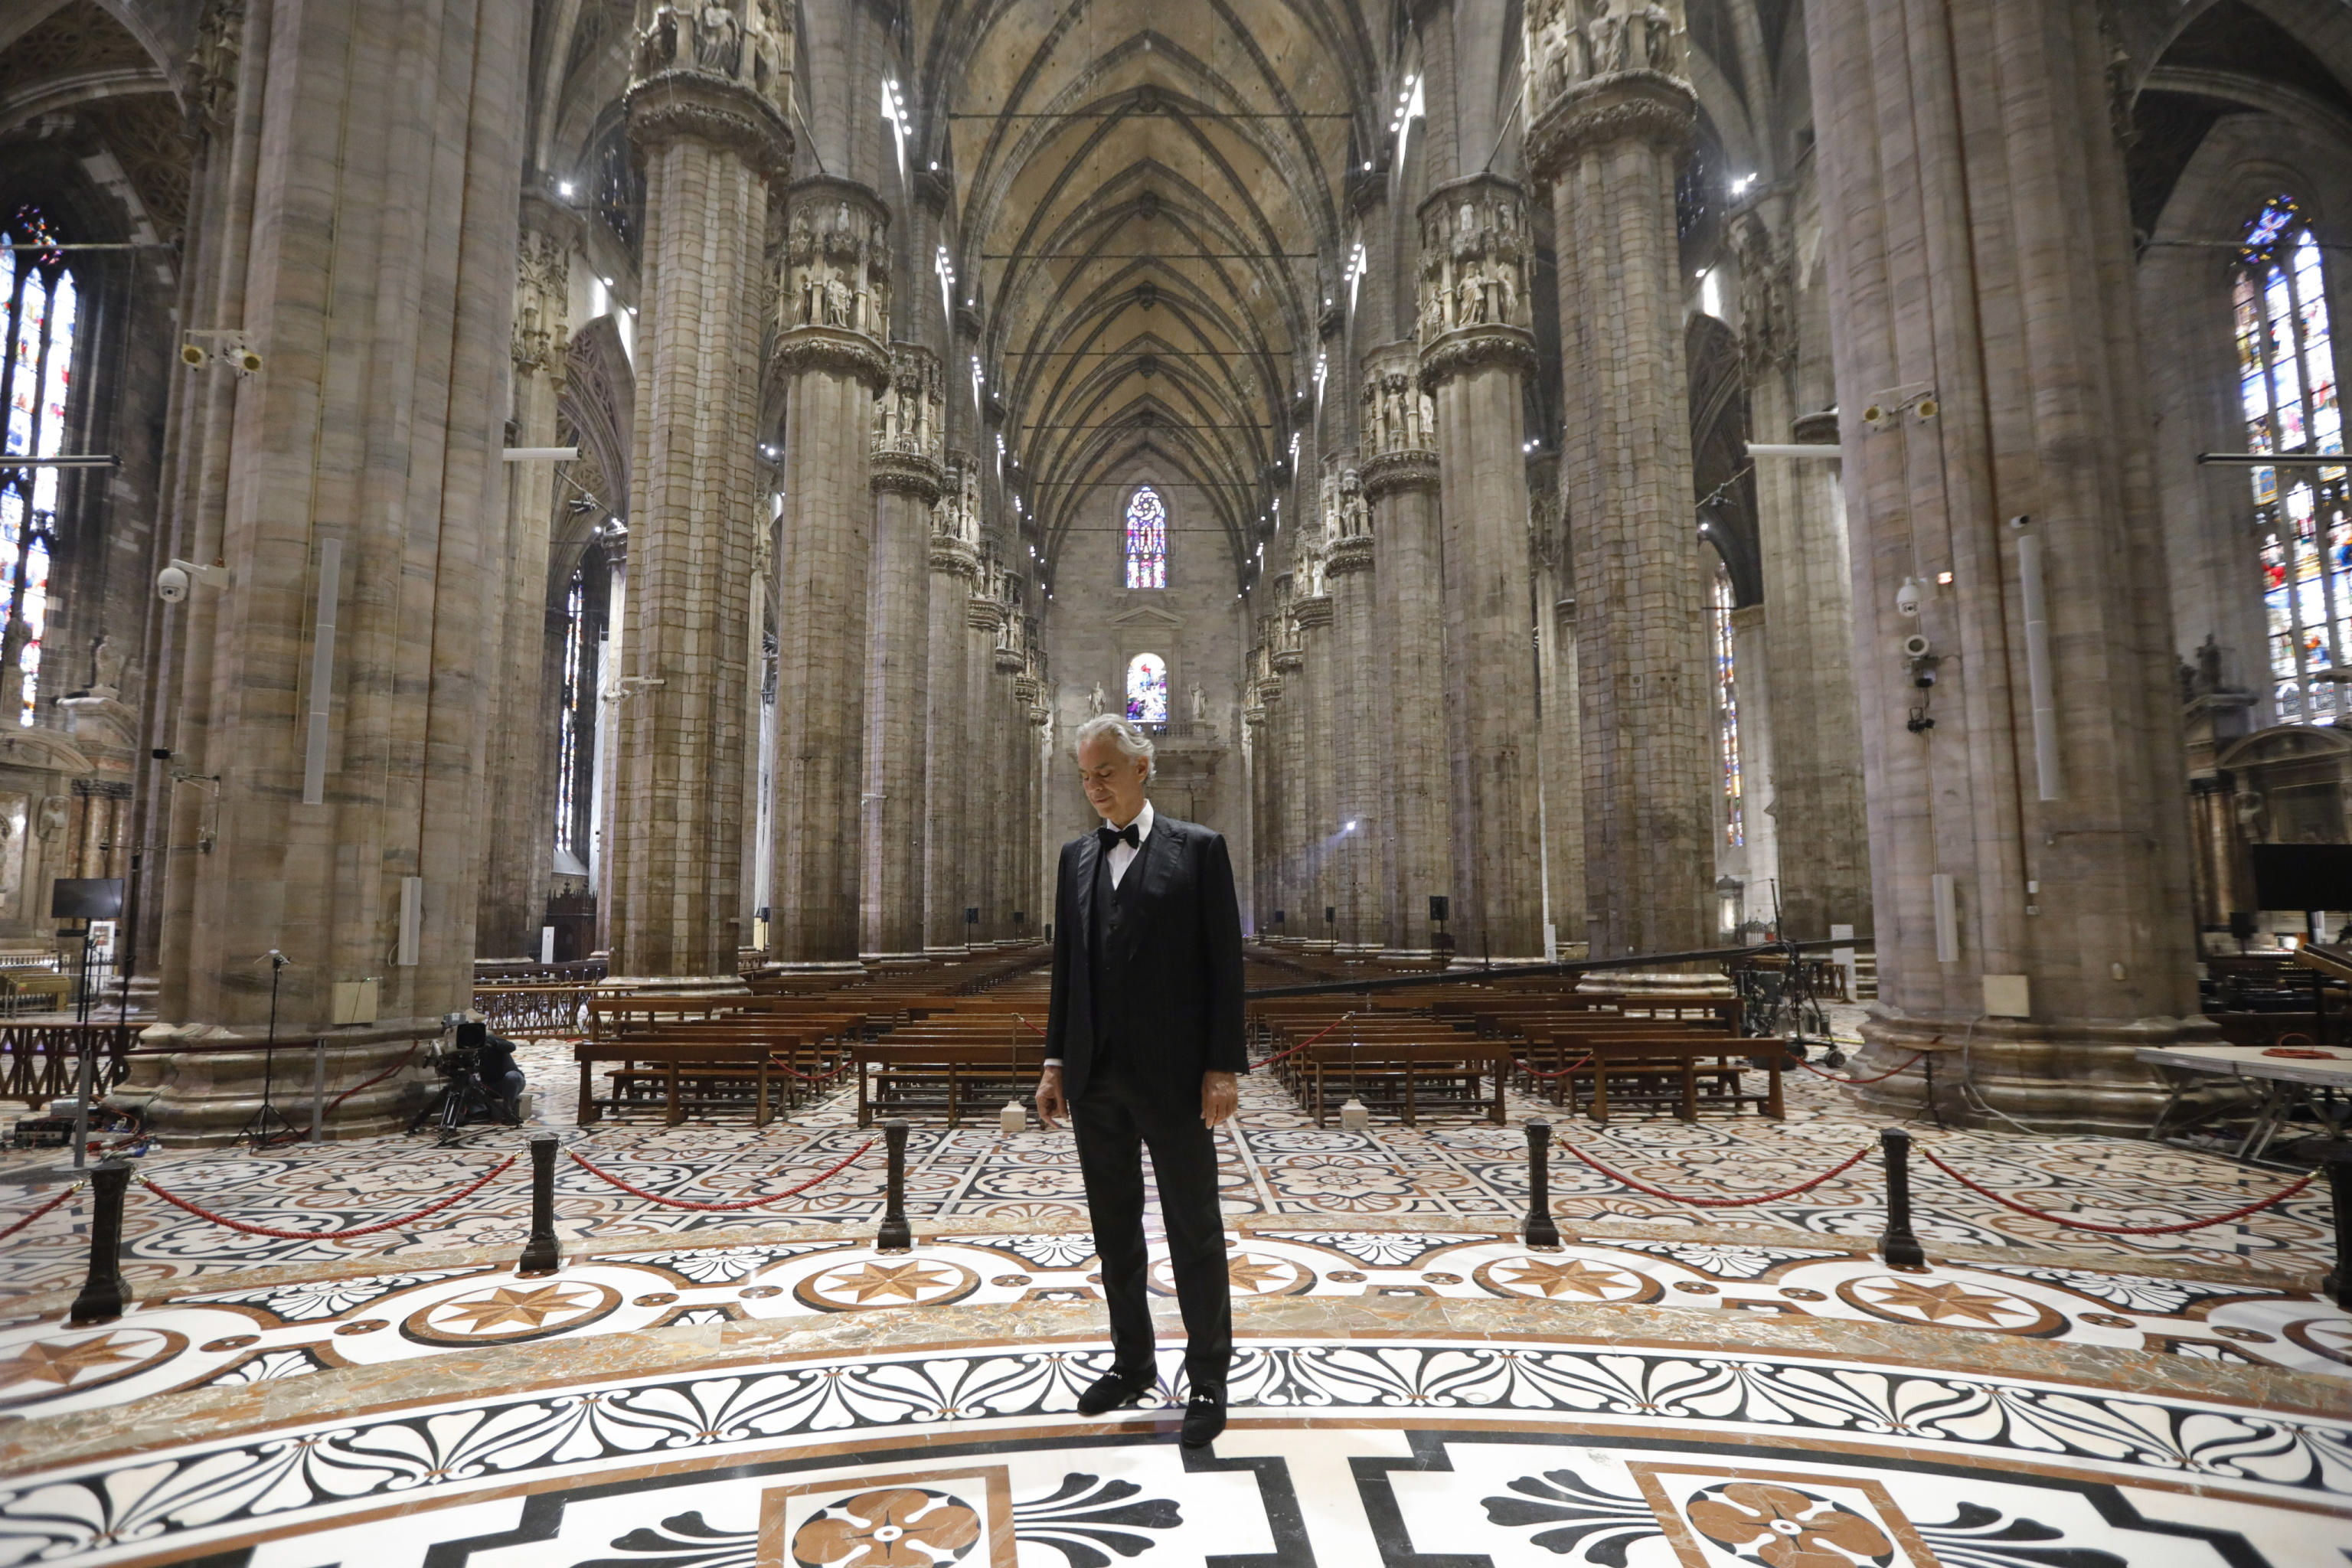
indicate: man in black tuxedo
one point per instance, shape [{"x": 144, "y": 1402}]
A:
[{"x": 1144, "y": 1050}]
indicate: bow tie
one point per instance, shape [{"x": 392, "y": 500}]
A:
[{"x": 1108, "y": 835}]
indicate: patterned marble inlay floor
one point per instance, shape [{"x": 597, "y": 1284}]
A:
[
  {"x": 294, "y": 1326},
  {"x": 1276, "y": 1163},
  {"x": 1423, "y": 1449}
]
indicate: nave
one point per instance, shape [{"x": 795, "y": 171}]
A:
[{"x": 1415, "y": 1380}]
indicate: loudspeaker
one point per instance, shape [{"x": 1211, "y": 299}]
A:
[
  {"x": 1438, "y": 907},
  {"x": 86, "y": 898}
]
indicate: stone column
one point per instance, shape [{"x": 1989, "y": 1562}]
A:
[
  {"x": 907, "y": 482},
  {"x": 1991, "y": 397},
  {"x": 1609, "y": 117},
  {"x": 987, "y": 801},
  {"x": 364, "y": 240},
  {"x": 1760, "y": 750},
  {"x": 1286, "y": 708},
  {"x": 1317, "y": 794},
  {"x": 1562, "y": 770},
  {"x": 1399, "y": 432},
  {"x": 1360, "y": 703},
  {"x": 1254, "y": 759},
  {"x": 708, "y": 111},
  {"x": 1475, "y": 351},
  {"x": 834, "y": 310},
  {"x": 955, "y": 563},
  {"x": 512, "y": 900},
  {"x": 1808, "y": 672}
]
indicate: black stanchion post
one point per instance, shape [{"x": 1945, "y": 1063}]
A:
[
  {"x": 894, "y": 1235},
  {"x": 104, "y": 1293},
  {"x": 2337, "y": 1285},
  {"x": 1538, "y": 1230},
  {"x": 540, "y": 1254},
  {"x": 1895, "y": 1243}
]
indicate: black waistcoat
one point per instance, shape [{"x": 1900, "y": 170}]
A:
[{"x": 1107, "y": 949}]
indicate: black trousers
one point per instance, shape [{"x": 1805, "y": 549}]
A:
[{"x": 1115, "y": 1120}]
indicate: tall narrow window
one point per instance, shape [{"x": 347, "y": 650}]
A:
[
  {"x": 41, "y": 312},
  {"x": 2286, "y": 388},
  {"x": 1147, "y": 688},
  {"x": 1726, "y": 696},
  {"x": 575, "y": 739},
  {"x": 1147, "y": 541}
]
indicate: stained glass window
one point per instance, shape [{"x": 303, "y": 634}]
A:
[
  {"x": 1147, "y": 688},
  {"x": 2287, "y": 393},
  {"x": 1727, "y": 693},
  {"x": 42, "y": 308},
  {"x": 1147, "y": 541}
]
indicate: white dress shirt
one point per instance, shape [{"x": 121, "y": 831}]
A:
[{"x": 1122, "y": 855}]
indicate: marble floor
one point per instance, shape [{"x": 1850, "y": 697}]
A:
[{"x": 1413, "y": 1385}]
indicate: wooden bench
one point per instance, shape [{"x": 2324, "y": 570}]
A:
[
  {"x": 688, "y": 1072},
  {"x": 946, "y": 1073},
  {"x": 1649, "y": 1058}
]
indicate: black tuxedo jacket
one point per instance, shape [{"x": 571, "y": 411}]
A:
[{"x": 1179, "y": 1012}]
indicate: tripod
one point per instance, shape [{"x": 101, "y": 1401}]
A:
[{"x": 259, "y": 1130}]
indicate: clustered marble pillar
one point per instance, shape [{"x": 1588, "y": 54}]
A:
[
  {"x": 365, "y": 239},
  {"x": 2031, "y": 883},
  {"x": 906, "y": 481},
  {"x": 948, "y": 832},
  {"x": 1476, "y": 352},
  {"x": 716, "y": 147},
  {"x": 515, "y": 872},
  {"x": 1610, "y": 116},
  {"x": 1315, "y": 841},
  {"x": 1360, "y": 706},
  {"x": 1398, "y": 429},
  {"x": 834, "y": 312}
]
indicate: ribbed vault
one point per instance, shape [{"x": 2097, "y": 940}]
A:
[{"x": 1151, "y": 203}]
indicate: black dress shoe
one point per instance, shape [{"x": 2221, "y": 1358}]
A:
[
  {"x": 1113, "y": 1389},
  {"x": 1204, "y": 1418}
]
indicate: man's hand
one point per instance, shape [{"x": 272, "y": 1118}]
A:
[
  {"x": 1050, "y": 1102},
  {"x": 1221, "y": 1095}
]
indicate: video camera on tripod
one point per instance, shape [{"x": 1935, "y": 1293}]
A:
[{"x": 480, "y": 1081}]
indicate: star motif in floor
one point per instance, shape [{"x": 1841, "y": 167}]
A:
[
  {"x": 889, "y": 1281},
  {"x": 1257, "y": 1275},
  {"x": 1936, "y": 1302},
  {"x": 507, "y": 1306},
  {"x": 1573, "y": 1278},
  {"x": 62, "y": 1363}
]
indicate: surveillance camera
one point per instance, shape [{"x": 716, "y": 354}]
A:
[
  {"x": 1915, "y": 646},
  {"x": 2023, "y": 520},
  {"x": 1906, "y": 597},
  {"x": 172, "y": 584}
]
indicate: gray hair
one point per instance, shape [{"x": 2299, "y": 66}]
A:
[{"x": 1130, "y": 740}]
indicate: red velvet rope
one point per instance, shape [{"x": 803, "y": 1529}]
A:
[
  {"x": 2279, "y": 1196},
  {"x": 1556, "y": 1072},
  {"x": 45, "y": 1208},
  {"x": 378, "y": 1078},
  {"x": 1882, "y": 1077},
  {"x": 1286, "y": 1056},
  {"x": 1806, "y": 1185},
  {"x": 202, "y": 1213},
  {"x": 735, "y": 1207}
]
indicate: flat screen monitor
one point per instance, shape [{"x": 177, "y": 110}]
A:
[
  {"x": 86, "y": 898},
  {"x": 2302, "y": 876}
]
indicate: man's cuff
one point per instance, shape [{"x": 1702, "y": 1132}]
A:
[{"x": 1053, "y": 1061}]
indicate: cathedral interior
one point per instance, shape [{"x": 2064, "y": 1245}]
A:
[{"x": 1759, "y": 590}]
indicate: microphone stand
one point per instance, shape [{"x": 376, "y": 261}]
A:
[{"x": 257, "y": 1129}]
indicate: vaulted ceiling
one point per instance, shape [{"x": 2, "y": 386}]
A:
[{"x": 1152, "y": 207}]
